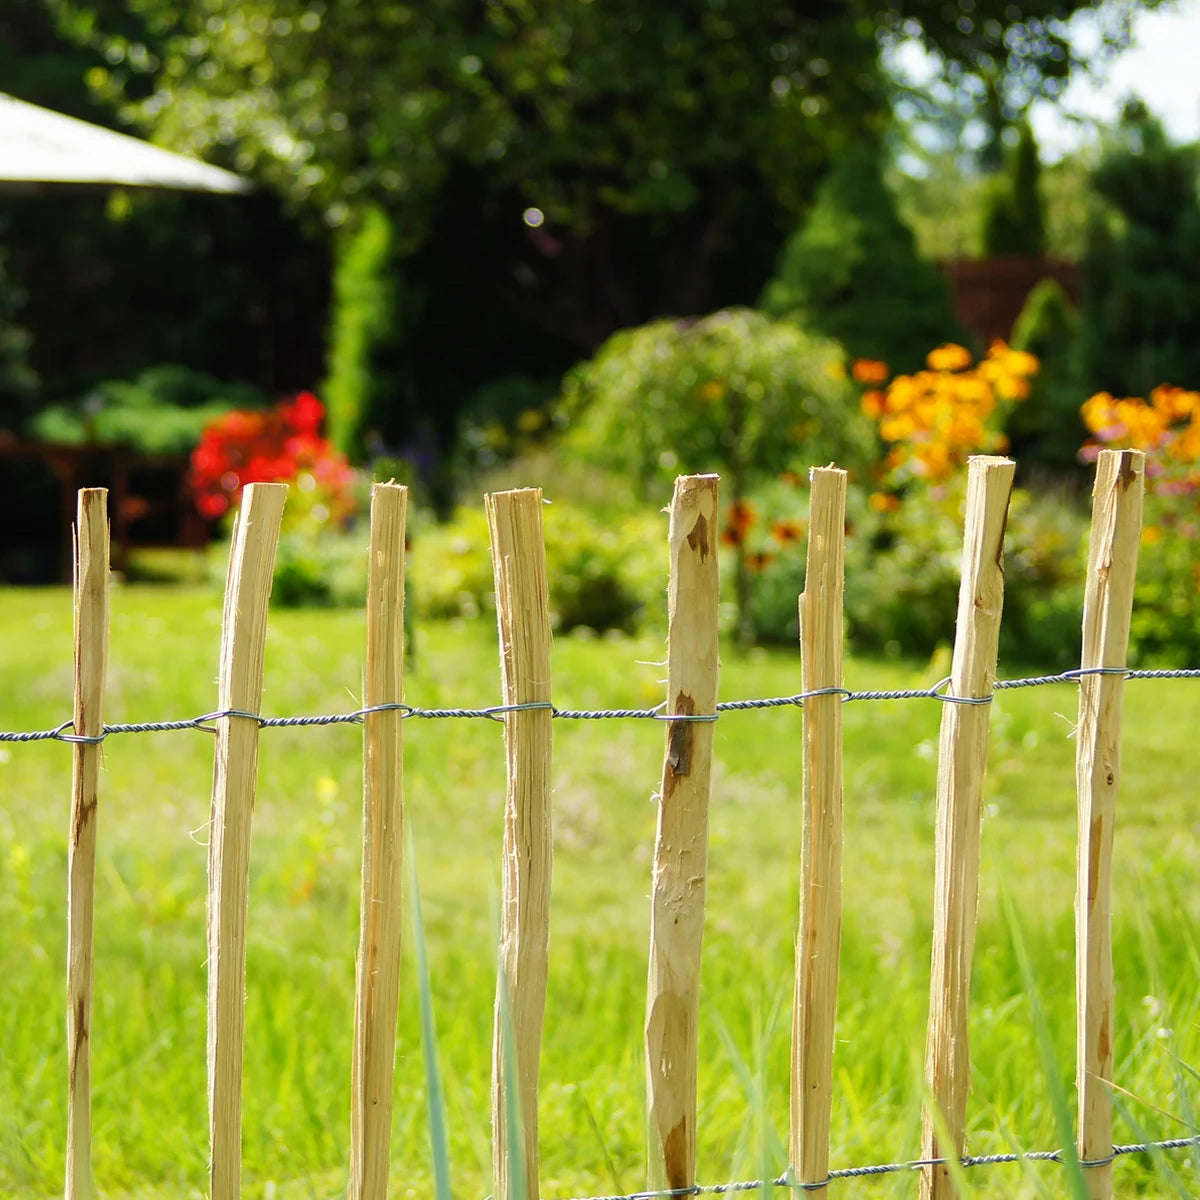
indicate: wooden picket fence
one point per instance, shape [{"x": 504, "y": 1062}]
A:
[{"x": 680, "y": 862}]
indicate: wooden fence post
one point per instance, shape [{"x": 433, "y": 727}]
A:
[
  {"x": 378, "y": 970},
  {"x": 523, "y": 616},
  {"x": 962, "y": 760},
  {"x": 243, "y": 639},
  {"x": 91, "y": 662},
  {"x": 1107, "y": 608},
  {"x": 819, "y": 938},
  {"x": 681, "y": 843}
]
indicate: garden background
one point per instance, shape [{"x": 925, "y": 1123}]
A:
[{"x": 585, "y": 247}]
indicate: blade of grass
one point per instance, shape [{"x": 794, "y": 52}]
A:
[
  {"x": 958, "y": 1174},
  {"x": 1076, "y": 1184},
  {"x": 435, "y": 1097},
  {"x": 1161, "y": 1164},
  {"x": 613, "y": 1174},
  {"x": 512, "y": 1106}
]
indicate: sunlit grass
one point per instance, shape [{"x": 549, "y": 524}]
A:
[{"x": 149, "y": 1048}]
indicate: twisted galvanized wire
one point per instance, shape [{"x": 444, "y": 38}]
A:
[
  {"x": 976, "y": 1160},
  {"x": 66, "y": 733}
]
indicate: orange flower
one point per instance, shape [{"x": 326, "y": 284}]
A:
[
  {"x": 742, "y": 517},
  {"x": 785, "y": 532},
  {"x": 949, "y": 357},
  {"x": 883, "y": 502},
  {"x": 873, "y": 404},
  {"x": 869, "y": 370},
  {"x": 759, "y": 560}
]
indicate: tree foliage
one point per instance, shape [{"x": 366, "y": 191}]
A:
[
  {"x": 1014, "y": 220},
  {"x": 368, "y": 335},
  {"x": 619, "y": 123},
  {"x": 1141, "y": 297},
  {"x": 852, "y": 272},
  {"x": 554, "y": 170}
]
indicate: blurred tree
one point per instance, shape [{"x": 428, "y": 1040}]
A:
[
  {"x": 368, "y": 335},
  {"x": 553, "y": 171},
  {"x": 852, "y": 272},
  {"x": 1046, "y": 431},
  {"x": 1141, "y": 293},
  {"x": 1014, "y": 221}
]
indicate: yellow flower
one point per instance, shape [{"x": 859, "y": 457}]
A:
[
  {"x": 1151, "y": 534},
  {"x": 949, "y": 357},
  {"x": 1098, "y": 411}
]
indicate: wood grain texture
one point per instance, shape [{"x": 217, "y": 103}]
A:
[
  {"x": 1107, "y": 608},
  {"x": 523, "y": 617},
  {"x": 819, "y": 938},
  {"x": 681, "y": 842},
  {"x": 962, "y": 759},
  {"x": 243, "y": 641},
  {"x": 378, "y": 966},
  {"x": 91, "y": 665}
]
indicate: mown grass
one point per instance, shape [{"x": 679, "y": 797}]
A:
[{"x": 148, "y": 1058}]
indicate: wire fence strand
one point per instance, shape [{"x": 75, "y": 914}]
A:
[
  {"x": 66, "y": 732},
  {"x": 977, "y": 1160}
]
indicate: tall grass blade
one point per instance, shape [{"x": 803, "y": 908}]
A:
[
  {"x": 435, "y": 1097},
  {"x": 958, "y": 1172},
  {"x": 514, "y": 1134},
  {"x": 613, "y": 1174},
  {"x": 1161, "y": 1163},
  {"x": 1077, "y": 1187}
]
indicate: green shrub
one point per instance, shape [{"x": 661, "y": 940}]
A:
[
  {"x": 903, "y": 572},
  {"x": 602, "y": 575},
  {"x": 734, "y": 392},
  {"x": 326, "y": 571},
  {"x": 162, "y": 411},
  {"x": 852, "y": 271},
  {"x": 1047, "y": 429}
]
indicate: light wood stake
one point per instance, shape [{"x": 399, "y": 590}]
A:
[
  {"x": 243, "y": 642},
  {"x": 378, "y": 974},
  {"x": 523, "y": 614},
  {"x": 819, "y": 939},
  {"x": 91, "y": 662},
  {"x": 1107, "y": 608},
  {"x": 962, "y": 760},
  {"x": 681, "y": 843}
]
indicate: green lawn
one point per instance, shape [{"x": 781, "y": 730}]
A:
[{"x": 149, "y": 1053}]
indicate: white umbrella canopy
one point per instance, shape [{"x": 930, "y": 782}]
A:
[{"x": 39, "y": 146}]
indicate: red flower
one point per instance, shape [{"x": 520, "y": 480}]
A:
[{"x": 266, "y": 447}]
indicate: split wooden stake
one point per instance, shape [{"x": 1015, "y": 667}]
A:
[
  {"x": 378, "y": 976},
  {"x": 91, "y": 662},
  {"x": 1107, "y": 608},
  {"x": 962, "y": 760},
  {"x": 523, "y": 615},
  {"x": 243, "y": 640},
  {"x": 819, "y": 939},
  {"x": 681, "y": 844}
]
